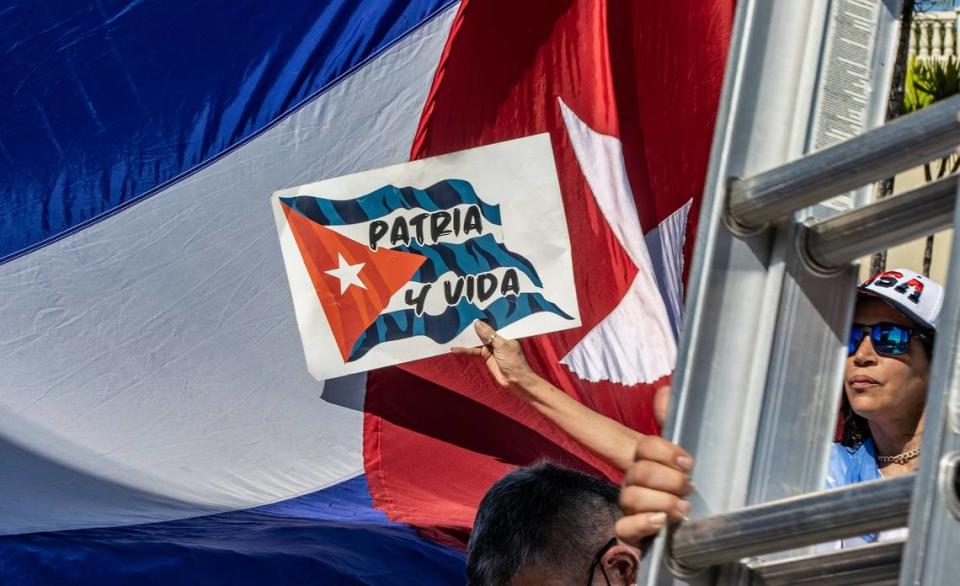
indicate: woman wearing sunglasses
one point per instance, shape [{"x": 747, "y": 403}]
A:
[
  {"x": 885, "y": 381},
  {"x": 884, "y": 395}
]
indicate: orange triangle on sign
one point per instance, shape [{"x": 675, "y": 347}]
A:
[{"x": 350, "y": 310}]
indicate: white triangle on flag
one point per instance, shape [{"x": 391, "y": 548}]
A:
[{"x": 635, "y": 343}]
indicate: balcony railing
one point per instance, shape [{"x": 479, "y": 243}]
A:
[{"x": 934, "y": 35}]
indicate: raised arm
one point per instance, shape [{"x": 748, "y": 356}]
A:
[{"x": 603, "y": 436}]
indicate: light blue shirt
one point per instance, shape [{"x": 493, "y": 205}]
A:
[{"x": 850, "y": 466}]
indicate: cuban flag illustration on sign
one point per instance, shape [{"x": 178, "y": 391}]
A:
[{"x": 395, "y": 264}]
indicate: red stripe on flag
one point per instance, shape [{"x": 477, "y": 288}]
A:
[{"x": 648, "y": 73}]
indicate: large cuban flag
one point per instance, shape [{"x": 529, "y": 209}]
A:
[{"x": 157, "y": 420}]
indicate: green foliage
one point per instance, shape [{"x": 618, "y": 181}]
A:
[
  {"x": 929, "y": 81},
  {"x": 925, "y": 83}
]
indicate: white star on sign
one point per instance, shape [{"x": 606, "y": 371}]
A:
[{"x": 347, "y": 273}]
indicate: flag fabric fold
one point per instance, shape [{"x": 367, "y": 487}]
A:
[{"x": 157, "y": 418}]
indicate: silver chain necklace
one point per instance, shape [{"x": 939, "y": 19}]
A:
[{"x": 900, "y": 458}]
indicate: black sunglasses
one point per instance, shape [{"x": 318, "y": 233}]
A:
[{"x": 888, "y": 339}]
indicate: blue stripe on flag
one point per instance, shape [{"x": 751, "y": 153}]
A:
[
  {"x": 332, "y": 536},
  {"x": 475, "y": 256},
  {"x": 377, "y": 204},
  {"x": 102, "y": 109},
  {"x": 399, "y": 325}
]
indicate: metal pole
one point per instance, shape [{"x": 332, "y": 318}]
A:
[
  {"x": 834, "y": 242},
  {"x": 931, "y": 554},
  {"x": 894, "y": 105},
  {"x": 877, "y": 563},
  {"x": 899, "y": 145},
  {"x": 793, "y": 522}
]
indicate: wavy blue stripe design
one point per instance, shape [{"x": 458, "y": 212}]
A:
[
  {"x": 440, "y": 196},
  {"x": 332, "y": 536},
  {"x": 399, "y": 325},
  {"x": 475, "y": 256},
  {"x": 100, "y": 108}
]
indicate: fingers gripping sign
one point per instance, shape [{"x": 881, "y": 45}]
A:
[
  {"x": 504, "y": 358},
  {"x": 653, "y": 489}
]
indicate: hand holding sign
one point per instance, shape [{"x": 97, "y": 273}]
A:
[{"x": 504, "y": 359}]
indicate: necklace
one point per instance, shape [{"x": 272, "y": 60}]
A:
[{"x": 900, "y": 458}]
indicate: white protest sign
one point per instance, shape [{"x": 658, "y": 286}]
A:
[{"x": 395, "y": 264}]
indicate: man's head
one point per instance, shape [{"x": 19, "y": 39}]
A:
[{"x": 546, "y": 524}]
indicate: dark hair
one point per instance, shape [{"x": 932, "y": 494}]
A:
[
  {"x": 543, "y": 515},
  {"x": 855, "y": 428}
]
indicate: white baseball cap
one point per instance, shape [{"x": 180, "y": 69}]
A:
[{"x": 915, "y": 296}]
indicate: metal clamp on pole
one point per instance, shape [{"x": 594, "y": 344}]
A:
[
  {"x": 877, "y": 563},
  {"x": 791, "y": 523},
  {"x": 848, "y": 236},
  {"x": 880, "y": 153}
]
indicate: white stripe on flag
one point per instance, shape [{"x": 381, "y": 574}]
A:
[{"x": 152, "y": 367}]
